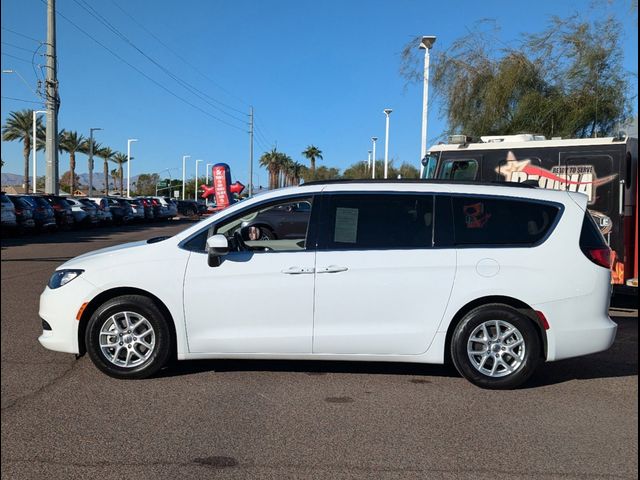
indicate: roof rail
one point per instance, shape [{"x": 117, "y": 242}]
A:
[{"x": 495, "y": 183}]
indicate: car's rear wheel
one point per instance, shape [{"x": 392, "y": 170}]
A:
[
  {"x": 495, "y": 346},
  {"x": 128, "y": 337}
]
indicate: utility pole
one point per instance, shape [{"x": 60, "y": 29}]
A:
[
  {"x": 250, "y": 151},
  {"x": 52, "y": 101},
  {"x": 106, "y": 180},
  {"x": 34, "y": 142}
]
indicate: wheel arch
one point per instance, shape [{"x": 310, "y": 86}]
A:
[
  {"x": 519, "y": 305},
  {"x": 107, "y": 295}
]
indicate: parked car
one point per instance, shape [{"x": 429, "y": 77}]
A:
[
  {"x": 43, "y": 213},
  {"x": 103, "y": 213},
  {"x": 120, "y": 211},
  {"x": 172, "y": 206},
  {"x": 287, "y": 220},
  {"x": 148, "y": 207},
  {"x": 61, "y": 209},
  {"x": 80, "y": 216},
  {"x": 8, "y": 213},
  {"x": 88, "y": 208},
  {"x": 137, "y": 209},
  {"x": 24, "y": 211},
  {"x": 160, "y": 209},
  {"x": 496, "y": 278},
  {"x": 188, "y": 208}
]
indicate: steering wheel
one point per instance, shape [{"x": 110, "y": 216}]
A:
[{"x": 240, "y": 245}]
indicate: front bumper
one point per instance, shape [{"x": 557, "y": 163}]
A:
[{"x": 59, "y": 308}]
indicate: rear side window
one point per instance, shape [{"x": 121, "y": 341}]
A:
[
  {"x": 377, "y": 221},
  {"x": 590, "y": 236},
  {"x": 488, "y": 221}
]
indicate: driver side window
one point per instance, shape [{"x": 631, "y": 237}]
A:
[{"x": 275, "y": 227}]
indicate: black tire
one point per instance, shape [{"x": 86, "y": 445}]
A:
[
  {"x": 524, "y": 360},
  {"x": 142, "y": 307}
]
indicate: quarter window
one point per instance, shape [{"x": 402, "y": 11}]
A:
[
  {"x": 377, "y": 221},
  {"x": 490, "y": 221}
]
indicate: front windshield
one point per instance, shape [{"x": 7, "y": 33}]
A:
[{"x": 429, "y": 163}]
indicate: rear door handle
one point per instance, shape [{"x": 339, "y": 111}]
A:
[
  {"x": 298, "y": 270},
  {"x": 333, "y": 269}
]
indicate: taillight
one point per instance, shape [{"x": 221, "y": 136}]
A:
[
  {"x": 599, "y": 255},
  {"x": 18, "y": 211}
]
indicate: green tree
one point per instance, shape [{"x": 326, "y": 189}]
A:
[
  {"x": 120, "y": 159},
  {"x": 567, "y": 80},
  {"x": 68, "y": 182},
  {"x": 312, "y": 153},
  {"x": 146, "y": 184},
  {"x": 19, "y": 127},
  {"x": 71, "y": 142}
]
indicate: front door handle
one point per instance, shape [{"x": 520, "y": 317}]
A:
[
  {"x": 299, "y": 270},
  {"x": 333, "y": 269}
]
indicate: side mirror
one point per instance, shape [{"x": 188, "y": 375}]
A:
[{"x": 217, "y": 247}]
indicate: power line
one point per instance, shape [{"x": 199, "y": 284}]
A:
[
  {"x": 22, "y": 100},
  {"x": 151, "y": 79},
  {"x": 21, "y": 35},
  {"x": 194, "y": 90},
  {"x": 30, "y": 50},
  {"x": 196, "y": 69},
  {"x": 15, "y": 58}
]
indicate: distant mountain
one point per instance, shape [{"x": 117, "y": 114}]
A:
[{"x": 11, "y": 179}]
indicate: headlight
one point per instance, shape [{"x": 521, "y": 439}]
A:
[{"x": 62, "y": 277}]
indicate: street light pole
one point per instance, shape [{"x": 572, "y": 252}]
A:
[
  {"x": 106, "y": 180},
  {"x": 184, "y": 169},
  {"x": 129, "y": 166},
  {"x": 426, "y": 43},
  {"x": 195, "y": 186},
  {"x": 387, "y": 112},
  {"x": 34, "y": 140},
  {"x": 368, "y": 159},
  {"x": 206, "y": 200},
  {"x": 373, "y": 164}
]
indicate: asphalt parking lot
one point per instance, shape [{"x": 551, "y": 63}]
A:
[{"x": 62, "y": 418}]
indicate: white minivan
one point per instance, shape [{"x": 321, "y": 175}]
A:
[{"x": 495, "y": 278}]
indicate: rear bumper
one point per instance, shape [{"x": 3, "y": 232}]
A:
[{"x": 578, "y": 326}]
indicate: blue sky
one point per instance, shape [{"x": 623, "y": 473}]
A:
[{"x": 316, "y": 72}]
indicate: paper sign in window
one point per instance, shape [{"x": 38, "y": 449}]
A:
[{"x": 346, "y": 230}]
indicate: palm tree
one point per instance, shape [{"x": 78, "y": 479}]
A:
[
  {"x": 71, "y": 142},
  {"x": 311, "y": 153},
  {"x": 87, "y": 150},
  {"x": 285, "y": 163},
  {"x": 270, "y": 161},
  {"x": 19, "y": 126},
  {"x": 114, "y": 176},
  {"x": 296, "y": 173},
  {"x": 120, "y": 159},
  {"x": 106, "y": 154}
]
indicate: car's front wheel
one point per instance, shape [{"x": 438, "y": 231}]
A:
[
  {"x": 495, "y": 346},
  {"x": 128, "y": 337}
]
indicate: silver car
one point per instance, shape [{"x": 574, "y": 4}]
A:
[{"x": 8, "y": 212}]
